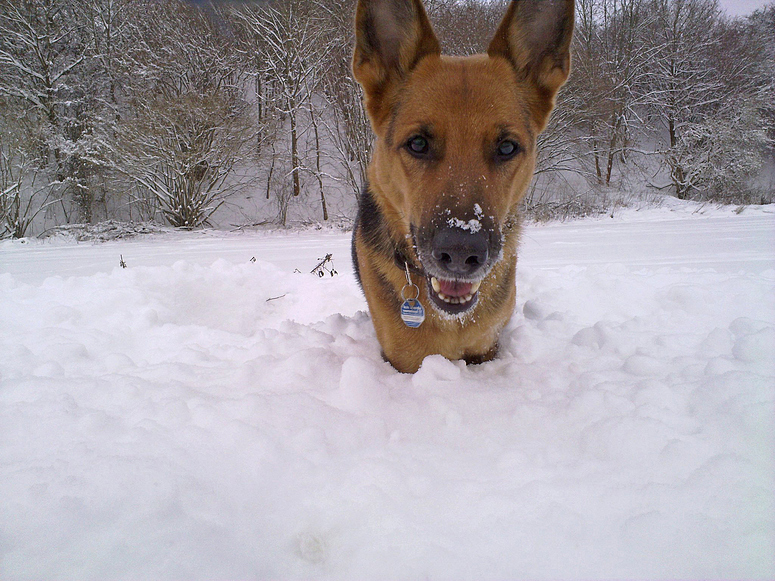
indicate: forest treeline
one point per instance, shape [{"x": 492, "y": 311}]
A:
[{"x": 165, "y": 110}]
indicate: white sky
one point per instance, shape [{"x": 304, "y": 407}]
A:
[{"x": 741, "y": 7}]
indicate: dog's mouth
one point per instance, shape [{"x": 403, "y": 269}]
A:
[{"x": 453, "y": 296}]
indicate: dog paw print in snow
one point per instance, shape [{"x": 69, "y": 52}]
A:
[{"x": 312, "y": 548}]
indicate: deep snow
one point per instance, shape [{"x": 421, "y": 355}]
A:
[{"x": 198, "y": 415}]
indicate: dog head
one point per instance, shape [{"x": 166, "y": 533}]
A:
[{"x": 456, "y": 136}]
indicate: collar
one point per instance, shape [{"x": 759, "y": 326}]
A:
[{"x": 402, "y": 258}]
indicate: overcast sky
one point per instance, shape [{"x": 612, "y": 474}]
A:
[{"x": 741, "y": 7}]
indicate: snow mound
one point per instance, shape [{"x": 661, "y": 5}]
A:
[
  {"x": 235, "y": 420},
  {"x": 103, "y": 231}
]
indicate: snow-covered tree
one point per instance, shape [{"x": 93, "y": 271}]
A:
[
  {"x": 25, "y": 190},
  {"x": 349, "y": 130},
  {"x": 703, "y": 95},
  {"x": 287, "y": 36},
  {"x": 46, "y": 74},
  {"x": 611, "y": 57},
  {"x": 465, "y": 27},
  {"x": 165, "y": 108},
  {"x": 186, "y": 126}
]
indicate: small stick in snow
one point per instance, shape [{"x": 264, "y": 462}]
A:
[{"x": 322, "y": 266}]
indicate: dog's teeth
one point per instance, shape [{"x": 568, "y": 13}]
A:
[
  {"x": 475, "y": 287},
  {"x": 453, "y": 300}
]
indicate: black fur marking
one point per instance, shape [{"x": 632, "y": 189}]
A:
[
  {"x": 387, "y": 291},
  {"x": 353, "y": 249},
  {"x": 367, "y": 222},
  {"x": 403, "y": 256},
  {"x": 483, "y": 358},
  {"x": 371, "y": 225}
]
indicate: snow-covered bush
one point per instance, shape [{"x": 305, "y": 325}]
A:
[{"x": 715, "y": 160}]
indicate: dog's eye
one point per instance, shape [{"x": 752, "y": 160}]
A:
[
  {"x": 418, "y": 145},
  {"x": 507, "y": 149}
]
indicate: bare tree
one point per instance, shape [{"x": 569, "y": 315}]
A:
[
  {"x": 704, "y": 95},
  {"x": 465, "y": 27},
  {"x": 611, "y": 59},
  {"x": 287, "y": 37},
  {"x": 44, "y": 57},
  {"x": 188, "y": 125},
  {"x": 684, "y": 85},
  {"x": 167, "y": 108},
  {"x": 25, "y": 191},
  {"x": 349, "y": 132}
]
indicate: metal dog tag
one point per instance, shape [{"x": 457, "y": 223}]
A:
[{"x": 412, "y": 313}]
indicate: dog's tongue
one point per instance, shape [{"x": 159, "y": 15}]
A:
[{"x": 453, "y": 288}]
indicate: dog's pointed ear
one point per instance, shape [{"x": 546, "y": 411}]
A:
[
  {"x": 391, "y": 36},
  {"x": 535, "y": 36}
]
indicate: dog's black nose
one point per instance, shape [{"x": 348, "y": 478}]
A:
[{"x": 458, "y": 251}]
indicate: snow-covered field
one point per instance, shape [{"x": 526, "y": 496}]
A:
[{"x": 199, "y": 415}]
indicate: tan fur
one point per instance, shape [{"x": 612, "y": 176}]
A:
[{"x": 469, "y": 102}]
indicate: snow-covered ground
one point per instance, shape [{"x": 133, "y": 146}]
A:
[{"x": 198, "y": 415}]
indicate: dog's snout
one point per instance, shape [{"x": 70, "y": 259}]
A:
[{"x": 460, "y": 252}]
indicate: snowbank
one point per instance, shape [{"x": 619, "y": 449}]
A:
[{"x": 198, "y": 415}]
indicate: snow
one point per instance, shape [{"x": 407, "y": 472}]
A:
[
  {"x": 198, "y": 415},
  {"x": 473, "y": 225}
]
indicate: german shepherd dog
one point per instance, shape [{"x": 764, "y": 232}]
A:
[{"x": 438, "y": 223}]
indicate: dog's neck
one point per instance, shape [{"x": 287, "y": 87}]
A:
[{"x": 403, "y": 261}]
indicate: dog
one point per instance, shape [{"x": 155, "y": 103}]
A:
[{"x": 435, "y": 239}]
